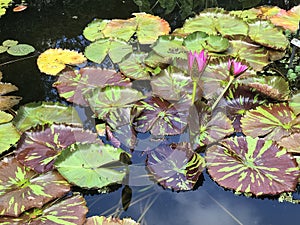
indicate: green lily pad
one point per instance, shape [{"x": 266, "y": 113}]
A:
[
  {"x": 9, "y": 43},
  {"x": 20, "y": 50},
  {"x": 39, "y": 148},
  {"x": 3, "y": 49},
  {"x": 264, "y": 33},
  {"x": 116, "y": 50},
  {"x": 22, "y": 189},
  {"x": 5, "y": 117},
  {"x": 175, "y": 166},
  {"x": 108, "y": 99},
  {"x": 67, "y": 211},
  {"x": 4, "y": 4},
  {"x": 250, "y": 165},
  {"x": 91, "y": 165},
  {"x": 33, "y": 114},
  {"x": 273, "y": 121},
  {"x": 8, "y": 136},
  {"x": 92, "y": 31}
]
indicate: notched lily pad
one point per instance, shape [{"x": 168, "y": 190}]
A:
[
  {"x": 22, "y": 189},
  {"x": 254, "y": 166},
  {"x": 39, "y": 148},
  {"x": 175, "y": 166}
]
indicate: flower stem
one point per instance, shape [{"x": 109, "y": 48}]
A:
[
  {"x": 232, "y": 78},
  {"x": 194, "y": 91}
]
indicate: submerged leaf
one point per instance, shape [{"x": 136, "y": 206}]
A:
[
  {"x": 22, "y": 189},
  {"x": 39, "y": 148},
  {"x": 72, "y": 85},
  {"x": 91, "y": 165},
  {"x": 175, "y": 166},
  {"x": 254, "y": 166},
  {"x": 273, "y": 120},
  {"x": 52, "y": 61},
  {"x": 33, "y": 114}
]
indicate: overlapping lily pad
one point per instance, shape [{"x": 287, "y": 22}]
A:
[
  {"x": 108, "y": 99},
  {"x": 175, "y": 166},
  {"x": 250, "y": 165},
  {"x": 33, "y": 114},
  {"x": 287, "y": 19},
  {"x": 273, "y": 120},
  {"x": 102, "y": 220},
  {"x": 72, "y": 85},
  {"x": 162, "y": 117},
  {"x": 8, "y": 136},
  {"x": 91, "y": 165},
  {"x": 39, "y": 148},
  {"x": 22, "y": 189},
  {"x": 70, "y": 211},
  {"x": 92, "y": 31}
]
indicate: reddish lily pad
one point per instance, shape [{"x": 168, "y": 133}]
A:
[
  {"x": 162, "y": 117},
  {"x": 175, "y": 166},
  {"x": 206, "y": 128},
  {"x": 33, "y": 114},
  {"x": 102, "y": 220},
  {"x": 291, "y": 143},
  {"x": 72, "y": 85},
  {"x": 39, "y": 148},
  {"x": 295, "y": 103},
  {"x": 254, "y": 166},
  {"x": 22, "y": 189},
  {"x": 69, "y": 211},
  {"x": 287, "y": 19},
  {"x": 274, "y": 120}
]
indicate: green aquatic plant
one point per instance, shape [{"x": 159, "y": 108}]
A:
[{"x": 13, "y": 48}]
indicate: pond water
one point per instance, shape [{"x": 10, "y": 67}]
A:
[{"x": 48, "y": 24}]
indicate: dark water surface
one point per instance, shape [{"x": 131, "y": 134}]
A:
[{"x": 49, "y": 24}]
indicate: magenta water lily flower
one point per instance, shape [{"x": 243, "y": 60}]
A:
[
  {"x": 236, "y": 68},
  {"x": 201, "y": 59}
]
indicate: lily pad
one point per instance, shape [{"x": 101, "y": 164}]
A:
[
  {"x": 250, "y": 165},
  {"x": 20, "y": 50},
  {"x": 4, "y": 4},
  {"x": 39, "y": 148},
  {"x": 108, "y": 99},
  {"x": 287, "y": 19},
  {"x": 295, "y": 103},
  {"x": 273, "y": 120},
  {"x": 8, "y": 136},
  {"x": 72, "y": 85},
  {"x": 162, "y": 117},
  {"x": 92, "y": 31},
  {"x": 264, "y": 33},
  {"x": 91, "y": 165},
  {"x": 114, "y": 48},
  {"x": 69, "y": 211},
  {"x": 5, "y": 117},
  {"x": 102, "y": 220},
  {"x": 22, "y": 189},
  {"x": 6, "y": 102},
  {"x": 175, "y": 166},
  {"x": 9, "y": 43},
  {"x": 291, "y": 143},
  {"x": 3, "y": 49},
  {"x": 33, "y": 114},
  {"x": 52, "y": 61}
]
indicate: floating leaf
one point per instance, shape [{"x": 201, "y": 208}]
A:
[
  {"x": 255, "y": 55},
  {"x": 68, "y": 211},
  {"x": 199, "y": 40},
  {"x": 39, "y": 148},
  {"x": 206, "y": 128},
  {"x": 33, "y": 114},
  {"x": 52, "y": 61},
  {"x": 162, "y": 117},
  {"x": 291, "y": 143},
  {"x": 171, "y": 84},
  {"x": 3, "y": 49},
  {"x": 91, "y": 165},
  {"x": 22, "y": 189},
  {"x": 135, "y": 68},
  {"x": 72, "y": 85},
  {"x": 105, "y": 100},
  {"x": 287, "y": 19},
  {"x": 20, "y": 50},
  {"x": 150, "y": 27},
  {"x": 250, "y": 165},
  {"x": 92, "y": 31},
  {"x": 175, "y": 166},
  {"x": 295, "y": 103},
  {"x": 3, "y": 5},
  {"x": 275, "y": 87},
  {"x": 6, "y": 102},
  {"x": 101, "y": 220},
  {"x": 9, "y": 43},
  {"x": 264, "y": 33},
  {"x": 5, "y": 117},
  {"x": 274, "y": 120},
  {"x": 116, "y": 50},
  {"x": 8, "y": 136}
]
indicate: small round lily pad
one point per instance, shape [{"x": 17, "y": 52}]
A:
[{"x": 20, "y": 50}]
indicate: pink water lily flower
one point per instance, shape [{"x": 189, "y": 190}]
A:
[
  {"x": 236, "y": 68},
  {"x": 201, "y": 59}
]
